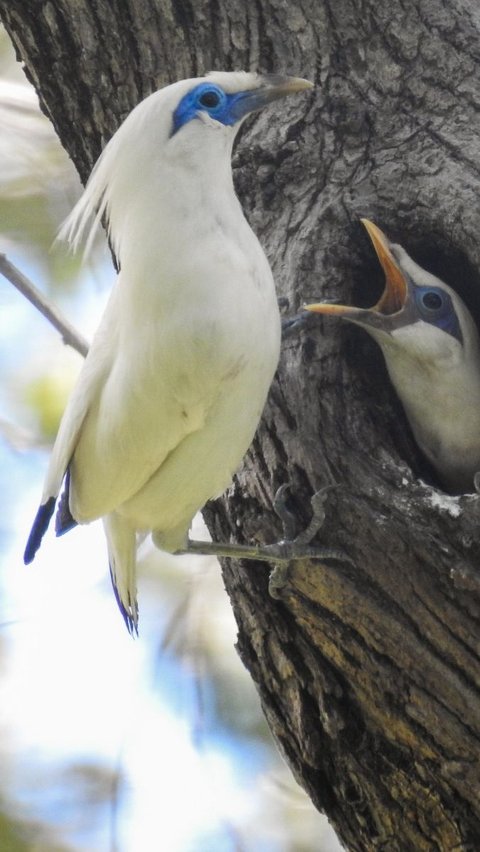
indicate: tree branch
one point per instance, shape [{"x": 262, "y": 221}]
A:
[{"x": 70, "y": 335}]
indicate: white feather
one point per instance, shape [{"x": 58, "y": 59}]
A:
[
  {"x": 177, "y": 375},
  {"x": 437, "y": 378}
]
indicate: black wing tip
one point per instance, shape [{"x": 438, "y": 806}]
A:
[
  {"x": 64, "y": 520},
  {"x": 130, "y": 613},
  {"x": 39, "y": 528}
]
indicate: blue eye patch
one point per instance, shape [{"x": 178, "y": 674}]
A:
[
  {"x": 436, "y": 307},
  {"x": 211, "y": 99}
]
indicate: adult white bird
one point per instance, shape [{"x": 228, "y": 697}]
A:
[
  {"x": 430, "y": 343},
  {"x": 175, "y": 381}
]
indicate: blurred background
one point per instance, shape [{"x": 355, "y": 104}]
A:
[{"x": 107, "y": 744}]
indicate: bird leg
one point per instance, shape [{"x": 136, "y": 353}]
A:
[
  {"x": 300, "y": 550},
  {"x": 281, "y": 553},
  {"x": 286, "y": 516}
]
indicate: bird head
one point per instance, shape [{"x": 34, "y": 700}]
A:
[
  {"x": 416, "y": 312},
  {"x": 224, "y": 99},
  {"x": 206, "y": 113},
  {"x": 189, "y": 126}
]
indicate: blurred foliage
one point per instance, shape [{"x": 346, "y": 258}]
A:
[
  {"x": 38, "y": 183},
  {"x": 17, "y": 836},
  {"x": 11, "y": 835},
  {"x": 47, "y": 394},
  {"x": 38, "y": 187}
]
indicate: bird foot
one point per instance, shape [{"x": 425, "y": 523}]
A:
[
  {"x": 299, "y": 545},
  {"x": 291, "y": 325},
  {"x": 281, "y": 553},
  {"x": 476, "y": 481},
  {"x": 318, "y": 502}
]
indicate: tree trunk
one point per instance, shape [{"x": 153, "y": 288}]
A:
[{"x": 368, "y": 671}]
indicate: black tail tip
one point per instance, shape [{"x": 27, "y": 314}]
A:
[
  {"x": 39, "y": 528},
  {"x": 130, "y": 612}
]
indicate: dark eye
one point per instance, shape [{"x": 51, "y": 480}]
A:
[
  {"x": 433, "y": 303},
  {"x": 432, "y": 300},
  {"x": 209, "y": 99},
  {"x": 435, "y": 307}
]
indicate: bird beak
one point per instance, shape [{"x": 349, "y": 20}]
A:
[
  {"x": 396, "y": 290},
  {"x": 394, "y": 296},
  {"x": 276, "y": 86},
  {"x": 271, "y": 88}
]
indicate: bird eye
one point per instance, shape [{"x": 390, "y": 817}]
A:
[
  {"x": 209, "y": 99},
  {"x": 204, "y": 99},
  {"x": 435, "y": 306},
  {"x": 432, "y": 300}
]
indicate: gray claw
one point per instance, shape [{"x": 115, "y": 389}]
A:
[
  {"x": 279, "y": 578},
  {"x": 281, "y": 553},
  {"x": 290, "y": 325},
  {"x": 317, "y": 520},
  {"x": 286, "y": 516}
]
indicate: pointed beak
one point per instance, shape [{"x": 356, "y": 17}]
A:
[
  {"x": 271, "y": 88},
  {"x": 396, "y": 291},
  {"x": 276, "y": 86},
  {"x": 394, "y": 296}
]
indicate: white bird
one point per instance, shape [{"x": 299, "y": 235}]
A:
[
  {"x": 431, "y": 347},
  {"x": 174, "y": 384}
]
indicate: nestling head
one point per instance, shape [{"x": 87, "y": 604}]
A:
[{"x": 417, "y": 312}]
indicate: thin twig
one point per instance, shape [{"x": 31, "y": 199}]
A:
[{"x": 69, "y": 334}]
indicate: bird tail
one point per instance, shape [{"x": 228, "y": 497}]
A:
[{"x": 122, "y": 546}]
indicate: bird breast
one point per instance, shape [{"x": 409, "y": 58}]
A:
[
  {"x": 194, "y": 348},
  {"x": 441, "y": 397}
]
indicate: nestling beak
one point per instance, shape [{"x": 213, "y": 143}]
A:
[{"x": 394, "y": 296}]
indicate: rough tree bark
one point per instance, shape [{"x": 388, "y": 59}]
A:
[{"x": 369, "y": 673}]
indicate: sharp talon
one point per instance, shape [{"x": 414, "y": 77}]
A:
[
  {"x": 333, "y": 553},
  {"x": 283, "y": 552},
  {"x": 317, "y": 520},
  {"x": 288, "y": 519},
  {"x": 286, "y": 516},
  {"x": 290, "y": 325},
  {"x": 278, "y": 579}
]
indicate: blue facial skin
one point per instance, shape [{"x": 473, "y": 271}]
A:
[
  {"x": 435, "y": 306},
  {"x": 210, "y": 98}
]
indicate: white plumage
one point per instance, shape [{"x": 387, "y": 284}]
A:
[
  {"x": 174, "y": 384},
  {"x": 431, "y": 348}
]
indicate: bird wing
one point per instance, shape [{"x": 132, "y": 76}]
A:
[
  {"x": 87, "y": 388},
  {"x": 147, "y": 402},
  {"x": 129, "y": 430},
  {"x": 131, "y": 406}
]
